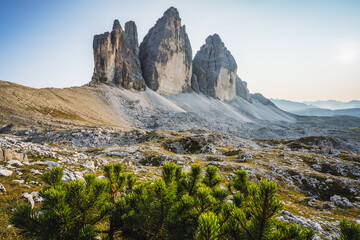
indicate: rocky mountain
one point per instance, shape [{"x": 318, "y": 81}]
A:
[
  {"x": 334, "y": 105},
  {"x": 164, "y": 61},
  {"x": 166, "y": 55},
  {"x": 116, "y": 58},
  {"x": 152, "y": 104},
  {"x": 313, "y": 109},
  {"x": 215, "y": 70}
]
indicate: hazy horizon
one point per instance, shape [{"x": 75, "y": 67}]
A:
[{"x": 298, "y": 51}]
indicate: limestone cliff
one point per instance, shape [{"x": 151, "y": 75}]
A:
[
  {"x": 215, "y": 70},
  {"x": 116, "y": 58},
  {"x": 166, "y": 55}
]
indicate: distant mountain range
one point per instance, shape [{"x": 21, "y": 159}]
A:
[{"x": 320, "y": 108}]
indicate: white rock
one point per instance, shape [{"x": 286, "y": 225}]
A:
[
  {"x": 35, "y": 172},
  {"x": 15, "y": 163},
  {"x": 316, "y": 226},
  {"x": 38, "y": 163},
  {"x": 37, "y": 198},
  {"x": 5, "y": 172},
  {"x": 18, "y": 181},
  {"x": 29, "y": 197},
  {"x": 51, "y": 163},
  {"x": 341, "y": 201},
  {"x": 89, "y": 165}
]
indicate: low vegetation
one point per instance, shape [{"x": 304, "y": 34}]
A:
[{"x": 176, "y": 206}]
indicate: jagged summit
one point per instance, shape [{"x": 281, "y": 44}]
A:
[
  {"x": 116, "y": 25},
  {"x": 172, "y": 11},
  {"x": 214, "y": 40},
  {"x": 166, "y": 55},
  {"x": 116, "y": 58},
  {"x": 215, "y": 69},
  {"x": 164, "y": 63}
]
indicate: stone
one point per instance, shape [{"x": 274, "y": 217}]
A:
[
  {"x": 35, "y": 172},
  {"x": 116, "y": 58},
  {"x": 5, "y": 172},
  {"x": 70, "y": 176},
  {"x": 215, "y": 69},
  {"x": 29, "y": 197},
  {"x": 2, "y": 189},
  {"x": 342, "y": 202},
  {"x": 18, "y": 181},
  {"x": 166, "y": 56},
  {"x": 51, "y": 163},
  {"x": 7, "y": 154},
  {"x": 15, "y": 163},
  {"x": 89, "y": 165},
  {"x": 36, "y": 196},
  {"x": 316, "y": 226}
]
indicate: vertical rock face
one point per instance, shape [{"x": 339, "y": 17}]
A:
[
  {"x": 116, "y": 58},
  {"x": 215, "y": 69},
  {"x": 166, "y": 56},
  {"x": 242, "y": 90}
]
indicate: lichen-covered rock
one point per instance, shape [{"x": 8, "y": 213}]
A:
[
  {"x": 166, "y": 56},
  {"x": 116, "y": 58},
  {"x": 215, "y": 69}
]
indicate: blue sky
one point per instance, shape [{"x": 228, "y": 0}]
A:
[{"x": 296, "y": 50}]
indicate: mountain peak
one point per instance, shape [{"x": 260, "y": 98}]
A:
[
  {"x": 116, "y": 25},
  {"x": 172, "y": 12}
]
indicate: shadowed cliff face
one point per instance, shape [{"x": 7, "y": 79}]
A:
[
  {"x": 116, "y": 58},
  {"x": 215, "y": 70},
  {"x": 166, "y": 56}
]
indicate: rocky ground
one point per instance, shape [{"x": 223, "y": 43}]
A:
[{"x": 318, "y": 177}]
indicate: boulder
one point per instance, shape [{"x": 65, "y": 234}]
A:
[
  {"x": 342, "y": 202},
  {"x": 5, "y": 172},
  {"x": 116, "y": 58},
  {"x": 166, "y": 55},
  {"x": 7, "y": 154}
]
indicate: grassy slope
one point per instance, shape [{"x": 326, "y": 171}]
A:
[{"x": 74, "y": 106}]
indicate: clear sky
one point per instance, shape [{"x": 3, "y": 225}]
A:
[{"x": 290, "y": 49}]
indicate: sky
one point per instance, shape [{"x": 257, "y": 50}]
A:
[{"x": 286, "y": 49}]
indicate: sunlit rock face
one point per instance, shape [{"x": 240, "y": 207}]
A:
[
  {"x": 116, "y": 58},
  {"x": 215, "y": 70},
  {"x": 166, "y": 56}
]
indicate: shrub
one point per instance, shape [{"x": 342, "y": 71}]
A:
[{"x": 176, "y": 206}]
